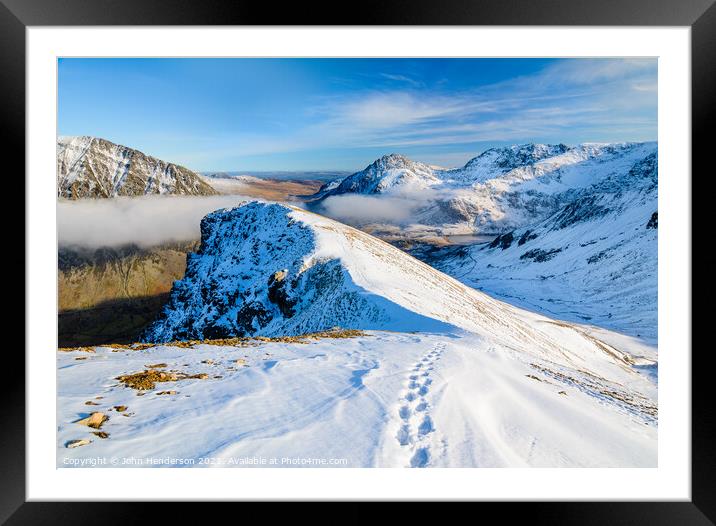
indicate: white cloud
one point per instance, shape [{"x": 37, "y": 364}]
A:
[
  {"x": 571, "y": 97},
  {"x": 144, "y": 221}
]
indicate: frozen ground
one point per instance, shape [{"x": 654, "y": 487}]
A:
[{"x": 383, "y": 399}]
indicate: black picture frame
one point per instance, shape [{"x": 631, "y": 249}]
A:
[{"x": 700, "y": 15}]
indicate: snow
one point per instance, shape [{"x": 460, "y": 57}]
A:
[
  {"x": 499, "y": 190},
  {"x": 600, "y": 259},
  {"x": 381, "y": 400}
]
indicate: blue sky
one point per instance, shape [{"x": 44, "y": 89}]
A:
[{"x": 341, "y": 114}]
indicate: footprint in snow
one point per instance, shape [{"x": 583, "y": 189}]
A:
[
  {"x": 414, "y": 432},
  {"x": 420, "y": 458},
  {"x": 404, "y": 412}
]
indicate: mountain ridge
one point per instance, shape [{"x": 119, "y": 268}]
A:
[
  {"x": 276, "y": 270},
  {"x": 92, "y": 167}
]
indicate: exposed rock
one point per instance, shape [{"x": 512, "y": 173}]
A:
[
  {"x": 77, "y": 443},
  {"x": 539, "y": 256},
  {"x": 503, "y": 241},
  {"x": 653, "y": 221},
  {"x": 527, "y": 236},
  {"x": 95, "y": 420},
  {"x": 580, "y": 210},
  {"x": 278, "y": 293}
]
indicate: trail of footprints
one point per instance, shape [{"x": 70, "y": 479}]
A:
[{"x": 414, "y": 410}]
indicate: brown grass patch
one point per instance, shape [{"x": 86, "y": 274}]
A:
[
  {"x": 147, "y": 379},
  {"x": 336, "y": 333},
  {"x": 80, "y": 349}
]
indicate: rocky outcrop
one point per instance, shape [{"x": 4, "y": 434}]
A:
[{"x": 274, "y": 270}]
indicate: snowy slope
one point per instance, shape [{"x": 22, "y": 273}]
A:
[
  {"x": 594, "y": 259},
  {"x": 93, "y": 167},
  {"x": 444, "y": 376},
  {"x": 381, "y": 400}
]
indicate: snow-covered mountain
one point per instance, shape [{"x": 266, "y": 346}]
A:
[
  {"x": 499, "y": 161},
  {"x": 594, "y": 259},
  {"x": 385, "y": 174},
  {"x": 90, "y": 167},
  {"x": 497, "y": 191}
]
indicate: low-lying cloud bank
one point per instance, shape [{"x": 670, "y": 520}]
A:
[
  {"x": 144, "y": 221},
  {"x": 357, "y": 210},
  {"x": 397, "y": 207}
]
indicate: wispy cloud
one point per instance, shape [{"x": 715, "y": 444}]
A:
[
  {"x": 593, "y": 99},
  {"x": 402, "y": 78}
]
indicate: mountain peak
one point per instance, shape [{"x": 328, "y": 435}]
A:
[
  {"x": 510, "y": 157},
  {"x": 393, "y": 159},
  {"x": 94, "y": 167},
  {"x": 389, "y": 172}
]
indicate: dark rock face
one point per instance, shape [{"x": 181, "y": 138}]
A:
[
  {"x": 582, "y": 209},
  {"x": 278, "y": 294},
  {"x": 653, "y": 221},
  {"x": 647, "y": 168},
  {"x": 539, "y": 256},
  {"x": 527, "y": 236},
  {"x": 503, "y": 241},
  {"x": 249, "y": 318}
]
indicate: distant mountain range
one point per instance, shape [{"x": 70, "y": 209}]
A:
[
  {"x": 497, "y": 191},
  {"x": 577, "y": 226},
  {"x": 90, "y": 167},
  {"x": 280, "y": 175}
]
